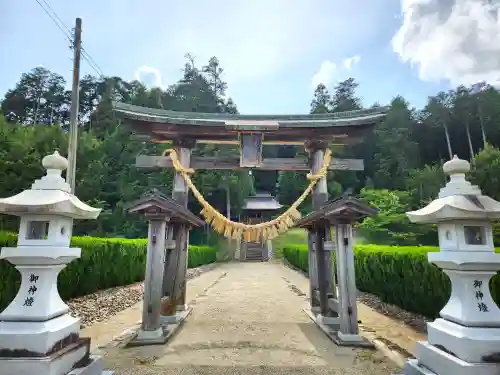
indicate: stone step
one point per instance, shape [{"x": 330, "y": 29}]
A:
[
  {"x": 254, "y": 256},
  {"x": 254, "y": 253}
]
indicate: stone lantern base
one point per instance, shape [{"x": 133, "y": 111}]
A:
[
  {"x": 69, "y": 355},
  {"x": 37, "y": 333},
  {"x": 63, "y": 362},
  {"x": 439, "y": 362}
]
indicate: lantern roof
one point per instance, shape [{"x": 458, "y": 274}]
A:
[
  {"x": 458, "y": 200},
  {"x": 155, "y": 203},
  {"x": 344, "y": 209},
  {"x": 49, "y": 195}
]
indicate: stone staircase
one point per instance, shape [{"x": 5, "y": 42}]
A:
[{"x": 254, "y": 251}]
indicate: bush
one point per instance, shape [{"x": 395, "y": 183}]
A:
[
  {"x": 391, "y": 225},
  {"x": 297, "y": 255},
  {"x": 400, "y": 275},
  {"x": 292, "y": 236},
  {"x": 105, "y": 263},
  {"x": 200, "y": 255}
]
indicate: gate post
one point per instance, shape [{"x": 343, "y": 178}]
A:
[
  {"x": 320, "y": 261},
  {"x": 151, "y": 331},
  {"x": 348, "y": 309},
  {"x": 163, "y": 213},
  {"x": 341, "y": 212},
  {"x": 174, "y": 280},
  {"x": 313, "y": 270}
]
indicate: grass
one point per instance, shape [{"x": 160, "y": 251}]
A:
[
  {"x": 293, "y": 236},
  {"x": 298, "y": 236}
]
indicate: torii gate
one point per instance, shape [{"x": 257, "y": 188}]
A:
[{"x": 184, "y": 129}]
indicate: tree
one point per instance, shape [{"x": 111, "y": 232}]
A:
[
  {"x": 38, "y": 96},
  {"x": 424, "y": 184},
  {"x": 486, "y": 171},
  {"x": 321, "y": 100},
  {"x": 344, "y": 97},
  {"x": 462, "y": 112},
  {"x": 476, "y": 91},
  {"x": 395, "y": 152},
  {"x": 437, "y": 113},
  {"x": 89, "y": 98},
  {"x": 404, "y": 152},
  {"x": 214, "y": 73},
  {"x": 391, "y": 225}
]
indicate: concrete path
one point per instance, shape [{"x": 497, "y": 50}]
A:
[{"x": 247, "y": 320}]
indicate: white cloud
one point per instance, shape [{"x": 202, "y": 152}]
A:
[
  {"x": 350, "y": 62},
  {"x": 454, "y": 40},
  {"x": 325, "y": 74},
  {"x": 329, "y": 70},
  {"x": 149, "y": 76}
]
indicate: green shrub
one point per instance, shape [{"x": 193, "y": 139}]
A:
[
  {"x": 104, "y": 263},
  {"x": 292, "y": 236},
  {"x": 400, "y": 275},
  {"x": 200, "y": 255},
  {"x": 297, "y": 256}
]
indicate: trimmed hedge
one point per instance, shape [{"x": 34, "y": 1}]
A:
[
  {"x": 105, "y": 263},
  {"x": 399, "y": 275}
]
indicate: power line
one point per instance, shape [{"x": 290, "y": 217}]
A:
[
  {"x": 91, "y": 62},
  {"x": 85, "y": 54},
  {"x": 67, "y": 33},
  {"x": 55, "y": 14}
]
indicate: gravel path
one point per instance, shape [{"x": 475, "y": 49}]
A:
[
  {"x": 103, "y": 304},
  {"x": 416, "y": 321},
  {"x": 248, "y": 321}
]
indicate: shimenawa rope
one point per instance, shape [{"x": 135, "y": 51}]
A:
[{"x": 255, "y": 232}]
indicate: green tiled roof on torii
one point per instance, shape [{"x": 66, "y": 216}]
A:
[{"x": 153, "y": 115}]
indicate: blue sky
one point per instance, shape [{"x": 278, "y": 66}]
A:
[{"x": 273, "y": 51}]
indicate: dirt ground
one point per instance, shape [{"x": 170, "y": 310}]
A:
[{"x": 248, "y": 318}]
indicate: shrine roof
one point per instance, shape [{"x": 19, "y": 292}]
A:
[
  {"x": 261, "y": 202},
  {"x": 337, "y": 119}
]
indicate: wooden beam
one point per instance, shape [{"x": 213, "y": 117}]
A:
[
  {"x": 333, "y": 303},
  {"x": 269, "y": 164}
]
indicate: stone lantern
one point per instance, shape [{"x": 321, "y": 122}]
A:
[
  {"x": 466, "y": 339},
  {"x": 37, "y": 333}
]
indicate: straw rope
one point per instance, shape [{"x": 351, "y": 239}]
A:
[{"x": 255, "y": 232}]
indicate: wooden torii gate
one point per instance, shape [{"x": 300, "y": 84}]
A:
[{"x": 184, "y": 129}]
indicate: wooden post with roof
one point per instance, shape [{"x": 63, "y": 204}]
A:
[
  {"x": 338, "y": 316},
  {"x": 317, "y": 132},
  {"x": 165, "y": 217},
  {"x": 258, "y": 208}
]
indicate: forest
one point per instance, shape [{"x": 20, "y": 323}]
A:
[{"x": 403, "y": 156}]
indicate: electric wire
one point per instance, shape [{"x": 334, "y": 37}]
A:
[{"x": 67, "y": 33}]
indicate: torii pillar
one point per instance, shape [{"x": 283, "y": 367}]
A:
[
  {"x": 174, "y": 276},
  {"x": 320, "y": 258}
]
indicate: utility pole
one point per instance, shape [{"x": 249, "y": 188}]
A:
[{"x": 75, "y": 101}]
